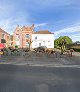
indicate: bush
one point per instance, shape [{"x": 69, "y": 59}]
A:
[
  {"x": 16, "y": 46},
  {"x": 76, "y": 48},
  {"x": 57, "y": 47}
]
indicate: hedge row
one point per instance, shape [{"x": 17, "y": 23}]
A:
[{"x": 76, "y": 48}]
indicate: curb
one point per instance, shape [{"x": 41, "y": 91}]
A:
[
  {"x": 44, "y": 65},
  {"x": 56, "y": 65}
]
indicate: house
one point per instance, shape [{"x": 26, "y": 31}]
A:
[
  {"x": 22, "y": 36},
  {"x": 77, "y": 42},
  {"x": 4, "y": 38},
  {"x": 43, "y": 38}
]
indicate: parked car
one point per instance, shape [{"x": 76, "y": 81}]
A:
[{"x": 41, "y": 48}]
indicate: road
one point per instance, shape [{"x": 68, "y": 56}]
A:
[{"x": 24, "y": 78}]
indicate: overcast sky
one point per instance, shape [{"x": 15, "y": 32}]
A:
[{"x": 62, "y": 17}]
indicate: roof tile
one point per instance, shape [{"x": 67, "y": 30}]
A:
[{"x": 42, "y": 32}]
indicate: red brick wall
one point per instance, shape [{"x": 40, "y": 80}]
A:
[
  {"x": 22, "y": 33},
  {"x": 6, "y": 37}
]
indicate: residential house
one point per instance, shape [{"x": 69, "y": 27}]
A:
[
  {"x": 4, "y": 38},
  {"x": 43, "y": 38},
  {"x": 22, "y": 36}
]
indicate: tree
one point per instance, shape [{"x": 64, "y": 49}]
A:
[
  {"x": 68, "y": 39},
  {"x": 29, "y": 42},
  {"x": 61, "y": 43},
  {"x": 58, "y": 42}
]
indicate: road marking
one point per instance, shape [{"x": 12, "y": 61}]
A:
[
  {"x": 50, "y": 65},
  {"x": 44, "y": 65}
]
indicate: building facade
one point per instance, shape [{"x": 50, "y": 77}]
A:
[
  {"x": 22, "y": 36},
  {"x": 4, "y": 38},
  {"x": 43, "y": 38},
  {"x": 25, "y": 36}
]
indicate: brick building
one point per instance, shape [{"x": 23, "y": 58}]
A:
[
  {"x": 22, "y": 36},
  {"x": 4, "y": 38}
]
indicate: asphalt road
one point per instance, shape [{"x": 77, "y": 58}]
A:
[{"x": 23, "y": 78}]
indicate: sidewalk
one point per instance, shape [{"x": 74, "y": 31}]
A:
[
  {"x": 44, "y": 60},
  {"x": 74, "y": 53}
]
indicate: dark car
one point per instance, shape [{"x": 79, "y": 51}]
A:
[{"x": 41, "y": 48}]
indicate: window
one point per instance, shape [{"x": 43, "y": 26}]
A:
[
  {"x": 49, "y": 43},
  {"x": 27, "y": 36},
  {"x": 3, "y": 35},
  {"x": 7, "y": 37},
  {"x": 11, "y": 38},
  {"x": 17, "y": 36},
  {"x": 36, "y": 37},
  {"x": 39, "y": 44},
  {"x": 17, "y": 30}
]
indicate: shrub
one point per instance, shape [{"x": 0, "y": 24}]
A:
[
  {"x": 16, "y": 46},
  {"x": 76, "y": 48}
]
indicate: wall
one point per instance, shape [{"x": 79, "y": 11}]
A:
[
  {"x": 6, "y": 37},
  {"x": 45, "y": 40},
  {"x": 22, "y": 41}
]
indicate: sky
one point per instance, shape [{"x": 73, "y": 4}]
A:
[{"x": 61, "y": 17}]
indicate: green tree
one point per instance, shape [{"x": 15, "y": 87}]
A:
[
  {"x": 61, "y": 42},
  {"x": 68, "y": 39},
  {"x": 58, "y": 42}
]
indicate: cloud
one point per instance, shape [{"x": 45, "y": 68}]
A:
[
  {"x": 10, "y": 24},
  {"x": 75, "y": 37},
  {"x": 11, "y": 16},
  {"x": 53, "y": 3},
  {"x": 41, "y": 24},
  {"x": 68, "y": 30},
  {"x": 6, "y": 9},
  {"x": 73, "y": 32},
  {"x": 25, "y": 12}
]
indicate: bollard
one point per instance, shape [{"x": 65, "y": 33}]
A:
[
  {"x": 71, "y": 50},
  {"x": 56, "y": 54}
]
